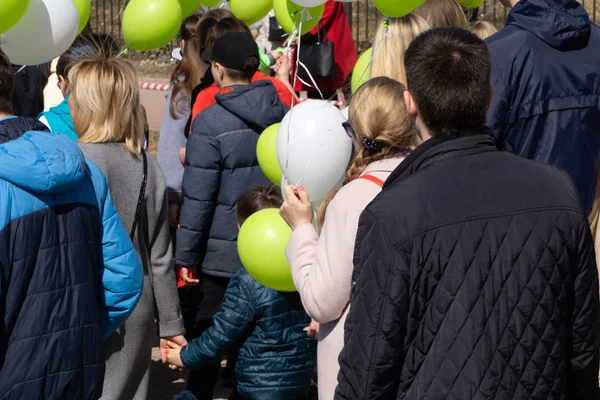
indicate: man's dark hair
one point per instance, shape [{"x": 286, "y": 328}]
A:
[
  {"x": 448, "y": 75},
  {"x": 250, "y": 68},
  {"x": 257, "y": 199},
  {"x": 7, "y": 84}
]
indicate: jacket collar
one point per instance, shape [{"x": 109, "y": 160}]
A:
[{"x": 443, "y": 147}]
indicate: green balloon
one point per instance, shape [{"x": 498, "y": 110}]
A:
[
  {"x": 362, "y": 70},
  {"x": 11, "y": 11},
  {"x": 211, "y": 3},
  {"x": 189, "y": 7},
  {"x": 397, "y": 8},
  {"x": 85, "y": 9},
  {"x": 289, "y": 15},
  {"x": 471, "y": 3},
  {"x": 266, "y": 151},
  {"x": 250, "y": 11},
  {"x": 151, "y": 24},
  {"x": 261, "y": 245}
]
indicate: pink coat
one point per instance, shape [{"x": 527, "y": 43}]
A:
[{"x": 322, "y": 267}]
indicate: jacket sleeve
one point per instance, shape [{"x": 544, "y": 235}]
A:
[
  {"x": 376, "y": 324},
  {"x": 585, "y": 322},
  {"x": 322, "y": 267},
  {"x": 498, "y": 112},
  {"x": 122, "y": 273},
  {"x": 201, "y": 181},
  {"x": 228, "y": 327},
  {"x": 164, "y": 284},
  {"x": 172, "y": 138}
]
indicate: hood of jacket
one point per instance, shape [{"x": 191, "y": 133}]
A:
[
  {"x": 562, "y": 24},
  {"x": 40, "y": 162},
  {"x": 60, "y": 119},
  {"x": 257, "y": 104}
]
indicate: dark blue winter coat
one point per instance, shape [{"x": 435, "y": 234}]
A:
[
  {"x": 546, "y": 80},
  {"x": 221, "y": 166},
  {"x": 276, "y": 358},
  {"x": 69, "y": 275}
]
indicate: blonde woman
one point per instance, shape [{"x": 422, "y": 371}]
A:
[
  {"x": 483, "y": 29},
  {"x": 442, "y": 13},
  {"x": 322, "y": 266},
  {"x": 398, "y": 33},
  {"x": 105, "y": 104}
]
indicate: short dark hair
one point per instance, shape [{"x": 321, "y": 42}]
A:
[
  {"x": 7, "y": 84},
  {"x": 250, "y": 68},
  {"x": 257, "y": 199},
  {"x": 448, "y": 75}
]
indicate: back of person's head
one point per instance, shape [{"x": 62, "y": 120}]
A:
[
  {"x": 191, "y": 68},
  {"x": 7, "y": 84},
  {"x": 259, "y": 198},
  {"x": 448, "y": 76},
  {"x": 443, "y": 13},
  {"x": 380, "y": 128},
  {"x": 392, "y": 40},
  {"x": 101, "y": 43},
  {"x": 105, "y": 102},
  {"x": 234, "y": 58},
  {"x": 225, "y": 25},
  {"x": 207, "y": 23},
  {"x": 69, "y": 58},
  {"x": 483, "y": 29}
]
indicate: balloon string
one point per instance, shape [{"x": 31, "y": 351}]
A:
[
  {"x": 125, "y": 51},
  {"x": 21, "y": 69},
  {"x": 311, "y": 79}
]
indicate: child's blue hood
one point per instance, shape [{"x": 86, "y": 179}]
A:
[{"x": 42, "y": 162}]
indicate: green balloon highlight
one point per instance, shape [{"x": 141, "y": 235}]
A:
[
  {"x": 266, "y": 152},
  {"x": 397, "y": 8},
  {"x": 85, "y": 9},
  {"x": 261, "y": 245},
  {"x": 362, "y": 70},
  {"x": 289, "y": 15},
  {"x": 11, "y": 12},
  {"x": 189, "y": 7},
  {"x": 211, "y": 3},
  {"x": 250, "y": 11},
  {"x": 151, "y": 24}
]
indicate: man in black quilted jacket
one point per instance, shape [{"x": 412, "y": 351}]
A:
[{"x": 474, "y": 272}]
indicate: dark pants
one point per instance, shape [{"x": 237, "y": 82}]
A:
[{"x": 198, "y": 305}]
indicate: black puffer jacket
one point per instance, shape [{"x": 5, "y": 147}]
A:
[{"x": 474, "y": 278}]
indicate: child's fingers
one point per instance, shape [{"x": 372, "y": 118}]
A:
[{"x": 290, "y": 194}]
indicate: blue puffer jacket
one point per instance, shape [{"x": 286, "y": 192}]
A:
[
  {"x": 221, "y": 166},
  {"x": 546, "y": 80},
  {"x": 69, "y": 275},
  {"x": 276, "y": 358}
]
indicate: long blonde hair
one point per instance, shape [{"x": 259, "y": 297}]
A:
[
  {"x": 483, "y": 29},
  {"x": 377, "y": 111},
  {"x": 389, "y": 57},
  {"x": 595, "y": 215},
  {"x": 106, "y": 102},
  {"x": 443, "y": 13}
]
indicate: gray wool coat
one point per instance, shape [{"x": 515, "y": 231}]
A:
[{"x": 128, "y": 351}]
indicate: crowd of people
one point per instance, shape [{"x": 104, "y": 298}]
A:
[{"x": 458, "y": 260}]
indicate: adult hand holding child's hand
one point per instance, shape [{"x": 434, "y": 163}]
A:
[
  {"x": 174, "y": 354},
  {"x": 297, "y": 209}
]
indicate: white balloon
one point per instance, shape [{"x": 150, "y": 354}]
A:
[
  {"x": 313, "y": 148},
  {"x": 345, "y": 112},
  {"x": 309, "y": 3},
  {"x": 46, "y": 31}
]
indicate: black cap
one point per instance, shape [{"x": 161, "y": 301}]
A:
[{"x": 231, "y": 50}]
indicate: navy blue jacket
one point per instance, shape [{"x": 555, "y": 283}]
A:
[
  {"x": 546, "y": 80},
  {"x": 276, "y": 358},
  {"x": 220, "y": 167},
  {"x": 69, "y": 275},
  {"x": 474, "y": 279}
]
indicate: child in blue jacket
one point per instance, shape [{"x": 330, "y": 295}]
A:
[{"x": 276, "y": 356}]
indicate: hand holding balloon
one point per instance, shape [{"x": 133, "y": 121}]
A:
[{"x": 297, "y": 209}]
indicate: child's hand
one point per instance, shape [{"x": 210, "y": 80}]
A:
[
  {"x": 276, "y": 54},
  {"x": 283, "y": 68},
  {"x": 174, "y": 354},
  {"x": 313, "y": 329}
]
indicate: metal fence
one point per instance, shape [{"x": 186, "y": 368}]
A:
[{"x": 364, "y": 17}]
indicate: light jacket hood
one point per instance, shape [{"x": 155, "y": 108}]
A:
[
  {"x": 257, "y": 104},
  {"x": 42, "y": 162},
  {"x": 563, "y": 24},
  {"x": 60, "y": 120}
]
